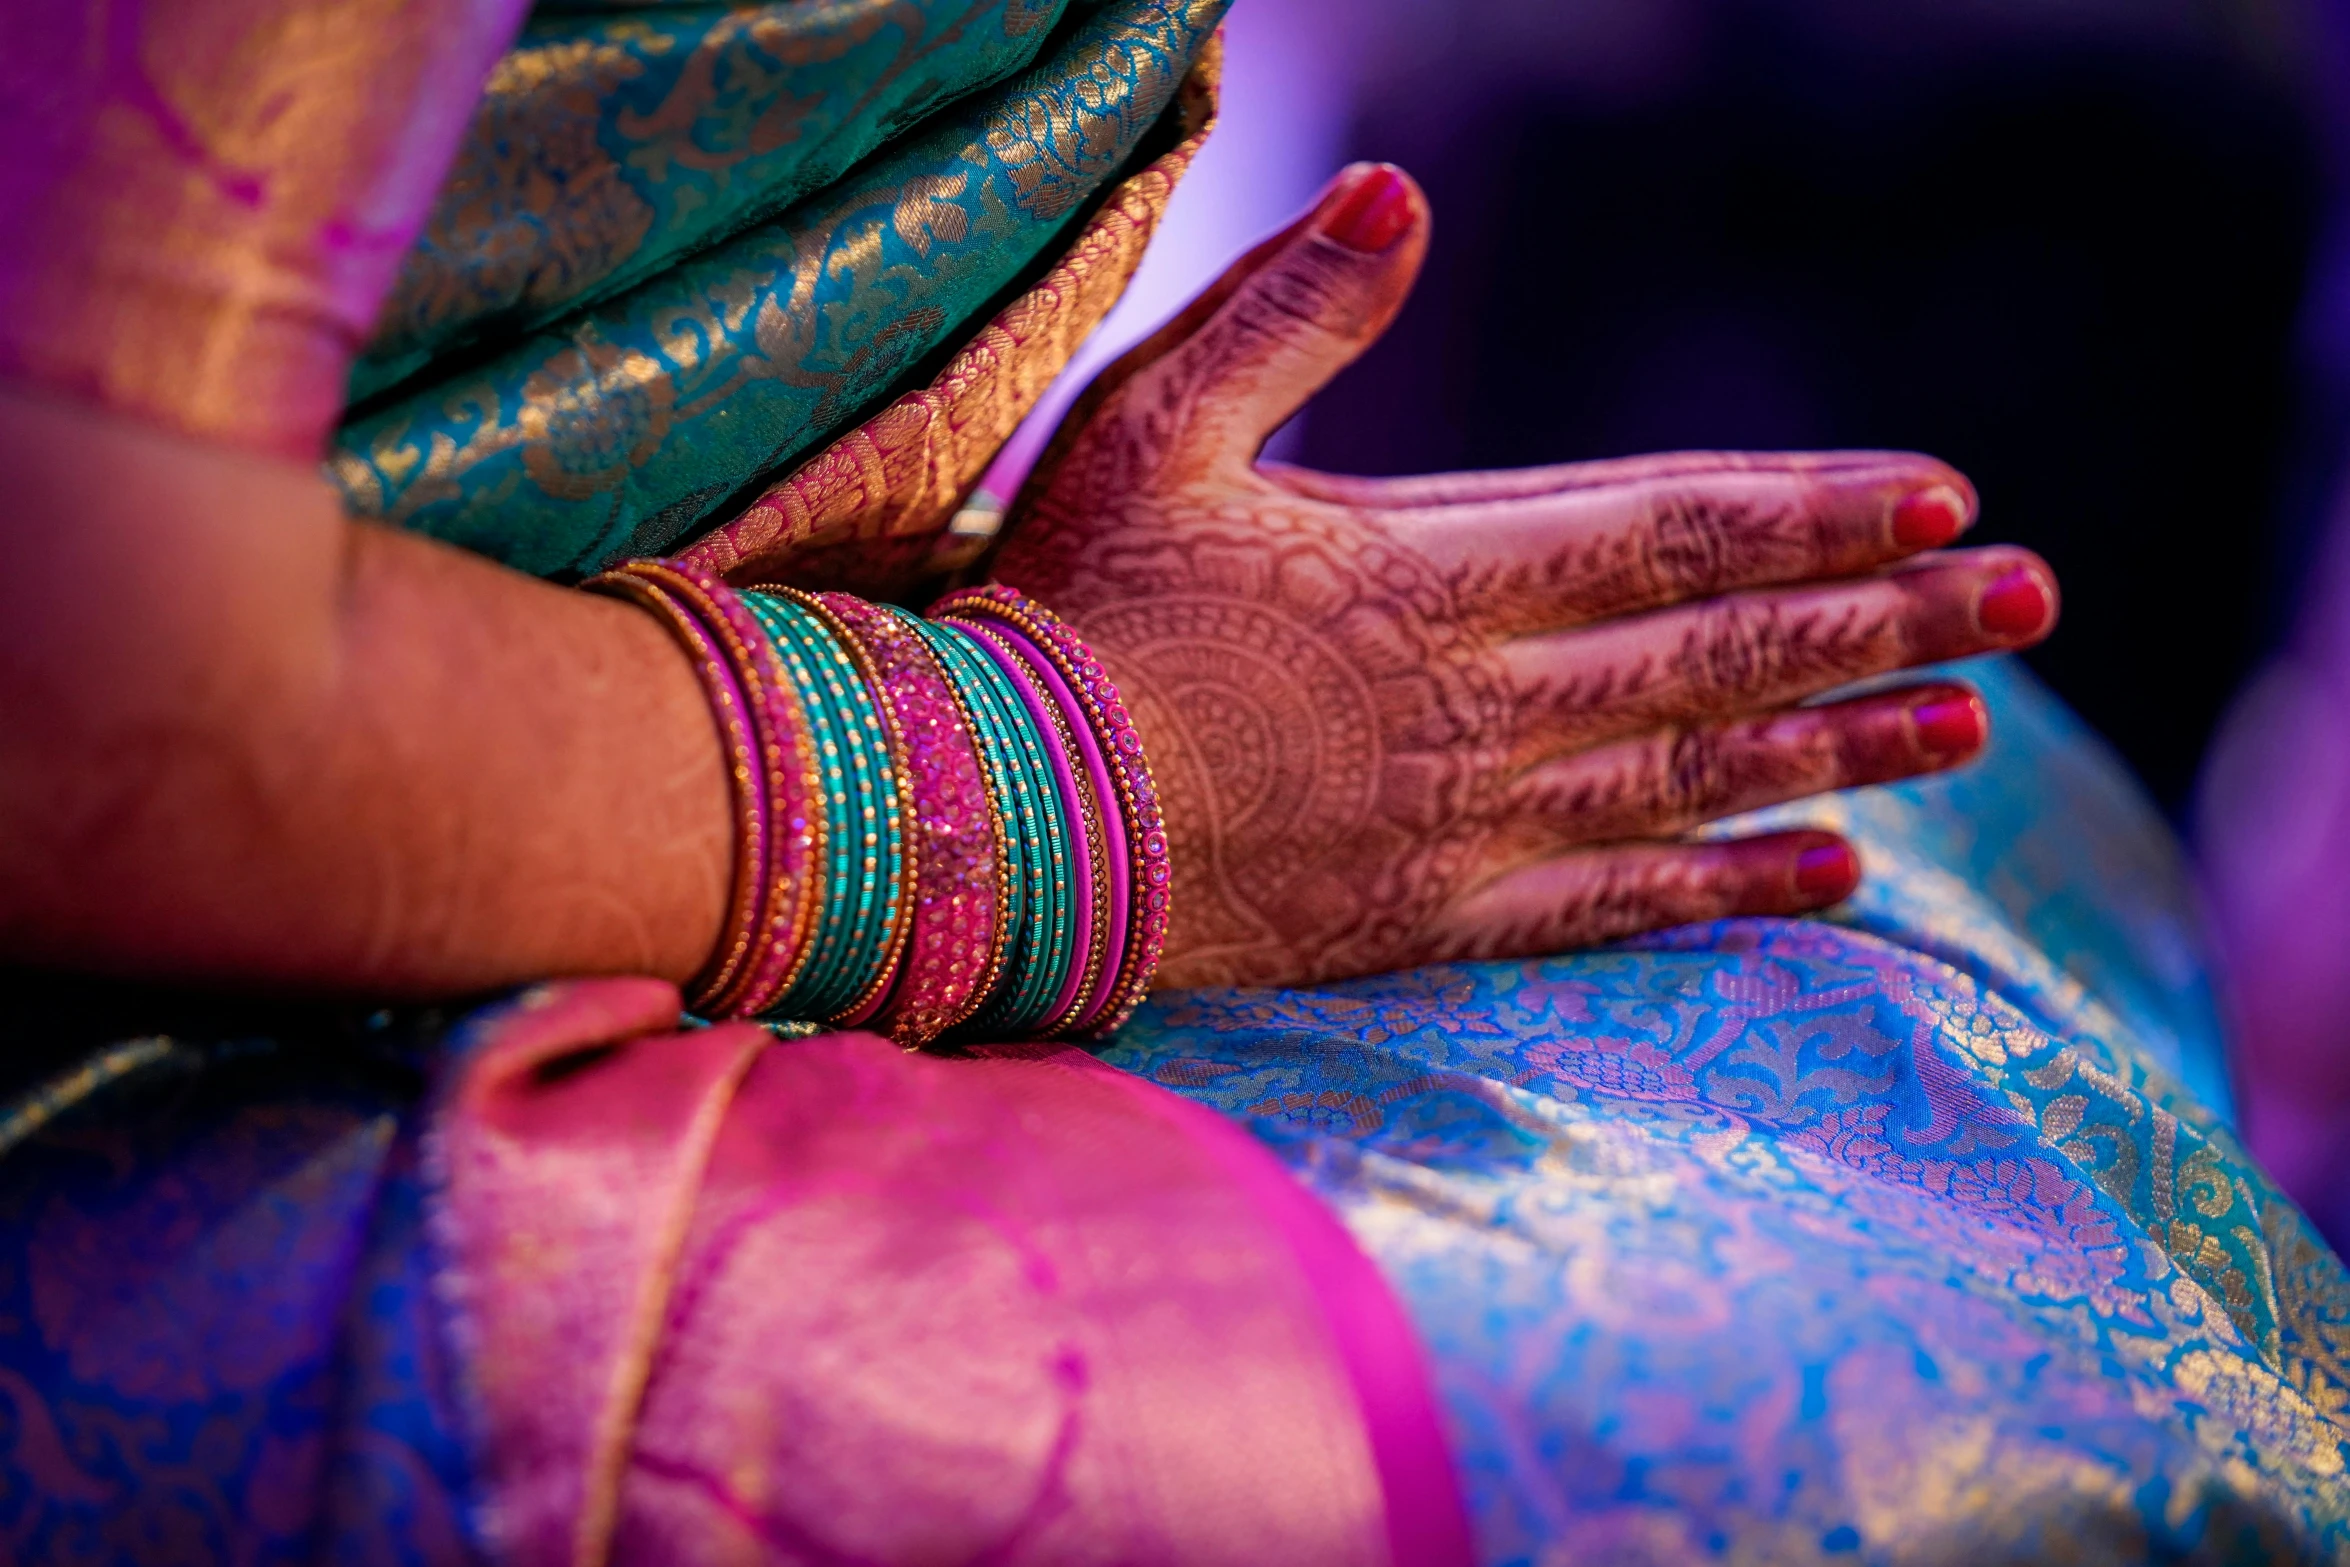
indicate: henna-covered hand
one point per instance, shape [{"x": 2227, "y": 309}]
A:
[{"x": 1398, "y": 721}]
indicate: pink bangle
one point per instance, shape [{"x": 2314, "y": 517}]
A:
[
  {"x": 794, "y": 827},
  {"x": 951, "y": 844},
  {"x": 1120, "y": 911},
  {"x": 733, "y": 710}
]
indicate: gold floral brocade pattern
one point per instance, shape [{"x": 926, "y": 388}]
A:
[
  {"x": 628, "y": 425},
  {"x": 865, "y": 511},
  {"x": 1769, "y": 1241},
  {"x": 607, "y": 148}
]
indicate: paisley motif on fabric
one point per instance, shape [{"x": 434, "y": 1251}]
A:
[
  {"x": 606, "y": 149},
  {"x": 765, "y": 346},
  {"x": 1063, "y": 136},
  {"x": 867, "y": 514},
  {"x": 1775, "y": 1234},
  {"x": 1775, "y": 1241}
]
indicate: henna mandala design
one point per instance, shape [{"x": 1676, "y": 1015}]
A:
[{"x": 1313, "y": 720}]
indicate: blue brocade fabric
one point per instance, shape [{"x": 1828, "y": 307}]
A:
[
  {"x": 1901, "y": 1239},
  {"x": 1779, "y": 1241},
  {"x": 179, "y": 1256}
]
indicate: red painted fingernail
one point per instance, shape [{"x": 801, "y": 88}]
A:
[
  {"x": 1374, "y": 214},
  {"x": 2014, "y": 606},
  {"x": 1827, "y": 873},
  {"x": 1929, "y": 519},
  {"x": 1951, "y": 726}
]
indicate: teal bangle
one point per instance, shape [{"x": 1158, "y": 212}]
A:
[
  {"x": 827, "y": 980},
  {"x": 866, "y": 850},
  {"x": 1025, "y": 995},
  {"x": 884, "y": 867},
  {"x": 871, "y": 864},
  {"x": 832, "y": 900}
]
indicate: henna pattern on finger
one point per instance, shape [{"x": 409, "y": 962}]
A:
[
  {"x": 1672, "y": 782},
  {"x": 1684, "y": 545},
  {"x": 1336, "y": 681},
  {"x": 1667, "y": 783},
  {"x": 1598, "y": 896},
  {"x": 1708, "y": 661}
]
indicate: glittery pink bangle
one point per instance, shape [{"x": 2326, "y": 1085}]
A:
[
  {"x": 1090, "y": 856},
  {"x": 1145, "y": 822},
  {"x": 793, "y": 779},
  {"x": 732, "y": 709},
  {"x": 951, "y": 842}
]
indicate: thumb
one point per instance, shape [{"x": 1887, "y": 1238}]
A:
[{"x": 1243, "y": 357}]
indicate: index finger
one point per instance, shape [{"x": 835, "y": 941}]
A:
[{"x": 1582, "y": 546}]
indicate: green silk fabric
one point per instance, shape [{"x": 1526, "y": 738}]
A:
[
  {"x": 606, "y": 148},
  {"x": 619, "y": 428}
]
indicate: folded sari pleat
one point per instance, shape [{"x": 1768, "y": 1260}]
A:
[
  {"x": 606, "y": 148},
  {"x": 203, "y": 201},
  {"x": 719, "y": 1298},
  {"x": 567, "y": 1183},
  {"x": 870, "y": 513},
  {"x": 623, "y": 428}
]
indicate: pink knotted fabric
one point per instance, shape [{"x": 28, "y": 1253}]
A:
[{"x": 722, "y": 1298}]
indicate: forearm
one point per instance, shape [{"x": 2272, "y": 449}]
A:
[{"x": 247, "y": 740}]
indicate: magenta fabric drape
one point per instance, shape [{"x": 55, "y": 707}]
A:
[{"x": 721, "y": 1297}]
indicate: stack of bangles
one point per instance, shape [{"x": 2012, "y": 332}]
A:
[{"x": 941, "y": 822}]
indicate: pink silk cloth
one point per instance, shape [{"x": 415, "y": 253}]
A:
[
  {"x": 204, "y": 201},
  {"x": 727, "y": 1298}
]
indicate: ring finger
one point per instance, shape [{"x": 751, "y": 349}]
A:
[
  {"x": 1661, "y": 785},
  {"x": 1587, "y": 896}
]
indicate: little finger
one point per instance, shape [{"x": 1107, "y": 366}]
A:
[{"x": 1590, "y": 896}]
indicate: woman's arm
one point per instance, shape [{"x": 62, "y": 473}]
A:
[
  {"x": 1393, "y": 721},
  {"x": 241, "y": 738},
  {"x": 244, "y": 739}
]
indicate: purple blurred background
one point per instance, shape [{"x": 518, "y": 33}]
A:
[{"x": 2096, "y": 253}]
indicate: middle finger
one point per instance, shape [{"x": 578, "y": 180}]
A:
[
  {"x": 1667, "y": 531},
  {"x": 1744, "y": 653}
]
